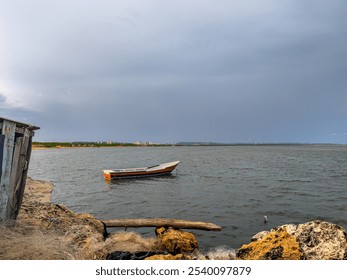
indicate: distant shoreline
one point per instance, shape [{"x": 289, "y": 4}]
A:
[{"x": 65, "y": 145}]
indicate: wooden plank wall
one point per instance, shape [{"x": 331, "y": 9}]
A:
[
  {"x": 8, "y": 130},
  {"x": 19, "y": 173},
  {"x": 2, "y": 143}
]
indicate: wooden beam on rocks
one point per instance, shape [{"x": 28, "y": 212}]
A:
[{"x": 181, "y": 224}]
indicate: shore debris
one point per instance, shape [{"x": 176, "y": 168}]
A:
[
  {"x": 51, "y": 231},
  {"x": 178, "y": 224}
]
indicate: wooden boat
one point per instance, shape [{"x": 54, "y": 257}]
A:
[{"x": 156, "y": 170}]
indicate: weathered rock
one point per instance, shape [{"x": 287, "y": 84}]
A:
[
  {"x": 259, "y": 235},
  {"x": 169, "y": 257},
  {"x": 320, "y": 240},
  {"x": 276, "y": 245},
  {"x": 316, "y": 240},
  {"x": 177, "y": 241}
]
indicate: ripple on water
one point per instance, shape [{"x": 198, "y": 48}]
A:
[{"x": 231, "y": 186}]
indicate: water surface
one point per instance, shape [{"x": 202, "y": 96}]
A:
[{"x": 233, "y": 186}]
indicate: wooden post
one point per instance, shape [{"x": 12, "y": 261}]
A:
[
  {"x": 8, "y": 130},
  {"x": 18, "y": 175}
]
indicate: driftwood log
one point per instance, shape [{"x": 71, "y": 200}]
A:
[{"x": 135, "y": 223}]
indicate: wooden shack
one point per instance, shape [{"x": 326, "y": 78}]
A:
[{"x": 15, "y": 151}]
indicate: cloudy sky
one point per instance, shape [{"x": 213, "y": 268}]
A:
[{"x": 169, "y": 71}]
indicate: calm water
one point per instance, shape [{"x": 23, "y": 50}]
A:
[{"x": 231, "y": 186}]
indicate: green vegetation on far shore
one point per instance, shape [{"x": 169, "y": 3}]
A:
[
  {"x": 150, "y": 144},
  {"x": 92, "y": 144}
]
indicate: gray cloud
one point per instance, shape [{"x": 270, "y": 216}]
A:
[
  {"x": 230, "y": 71},
  {"x": 2, "y": 99}
]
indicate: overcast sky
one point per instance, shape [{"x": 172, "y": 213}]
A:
[{"x": 169, "y": 71}]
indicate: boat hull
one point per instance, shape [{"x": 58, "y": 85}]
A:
[{"x": 159, "y": 170}]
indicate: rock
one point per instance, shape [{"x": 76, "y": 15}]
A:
[
  {"x": 259, "y": 235},
  {"x": 320, "y": 240},
  {"x": 177, "y": 241},
  {"x": 314, "y": 240},
  {"x": 276, "y": 245}
]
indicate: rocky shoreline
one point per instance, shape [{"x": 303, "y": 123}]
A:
[{"x": 45, "y": 230}]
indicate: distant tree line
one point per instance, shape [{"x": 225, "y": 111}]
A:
[
  {"x": 149, "y": 144},
  {"x": 87, "y": 144}
]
